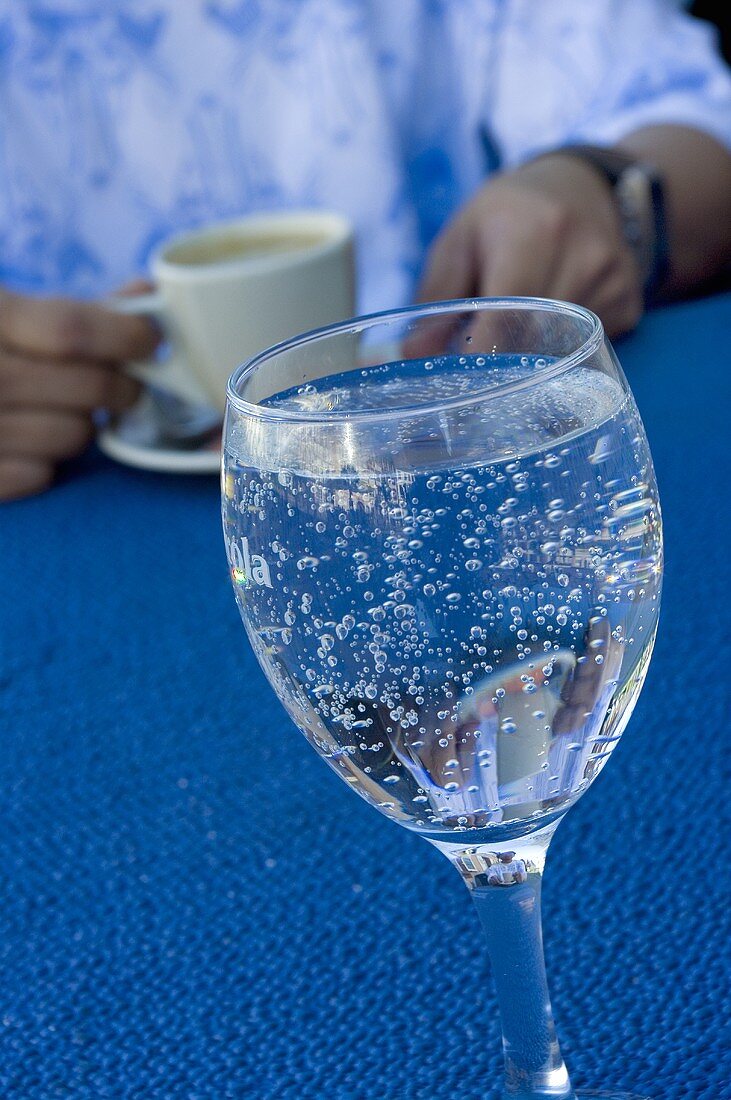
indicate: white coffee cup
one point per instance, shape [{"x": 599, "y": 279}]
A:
[{"x": 229, "y": 290}]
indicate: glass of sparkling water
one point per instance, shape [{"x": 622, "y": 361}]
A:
[{"x": 445, "y": 542}]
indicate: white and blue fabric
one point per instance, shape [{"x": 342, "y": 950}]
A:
[{"x": 124, "y": 121}]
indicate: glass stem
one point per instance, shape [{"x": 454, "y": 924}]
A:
[{"x": 505, "y": 883}]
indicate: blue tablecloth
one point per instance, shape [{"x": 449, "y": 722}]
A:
[{"x": 193, "y": 906}]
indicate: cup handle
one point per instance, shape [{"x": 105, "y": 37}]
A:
[{"x": 173, "y": 373}]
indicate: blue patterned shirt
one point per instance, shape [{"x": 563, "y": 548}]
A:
[{"x": 125, "y": 120}]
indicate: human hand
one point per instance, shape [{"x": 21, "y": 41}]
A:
[
  {"x": 551, "y": 229},
  {"x": 59, "y": 361}
]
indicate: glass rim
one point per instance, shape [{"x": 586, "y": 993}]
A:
[{"x": 366, "y": 321}]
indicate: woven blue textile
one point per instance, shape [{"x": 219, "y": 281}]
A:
[{"x": 194, "y": 907}]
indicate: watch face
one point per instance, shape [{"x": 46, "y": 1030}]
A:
[{"x": 634, "y": 192}]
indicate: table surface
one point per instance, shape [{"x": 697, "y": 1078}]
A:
[{"x": 177, "y": 921}]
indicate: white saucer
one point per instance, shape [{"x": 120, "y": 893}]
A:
[{"x": 136, "y": 439}]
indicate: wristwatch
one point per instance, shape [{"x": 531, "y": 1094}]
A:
[{"x": 638, "y": 192}]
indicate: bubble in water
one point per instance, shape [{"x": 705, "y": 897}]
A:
[
  {"x": 472, "y": 564},
  {"x": 562, "y": 579}
]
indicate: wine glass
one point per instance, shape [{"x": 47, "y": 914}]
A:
[{"x": 445, "y": 543}]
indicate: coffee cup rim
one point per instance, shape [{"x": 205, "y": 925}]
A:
[{"x": 336, "y": 229}]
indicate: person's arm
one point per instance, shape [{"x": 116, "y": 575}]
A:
[
  {"x": 549, "y": 223},
  {"x": 696, "y": 173}
]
